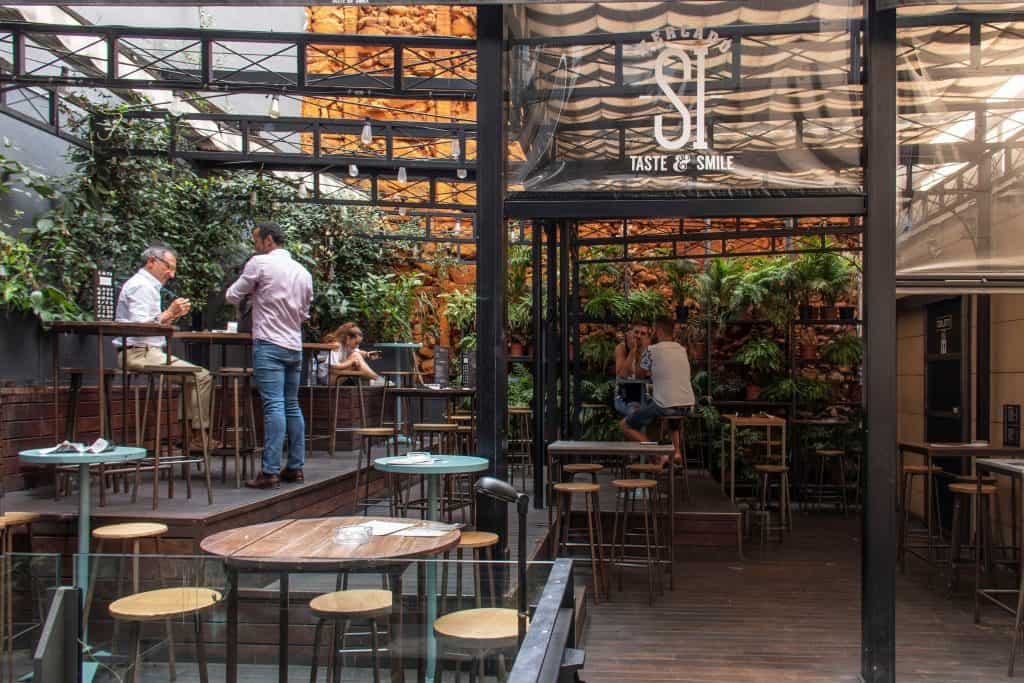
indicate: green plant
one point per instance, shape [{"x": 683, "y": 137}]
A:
[
  {"x": 846, "y": 350},
  {"x": 605, "y": 303},
  {"x": 761, "y": 354},
  {"x": 520, "y": 386},
  {"x": 460, "y": 310},
  {"x": 644, "y": 305},
  {"x": 763, "y": 287},
  {"x": 714, "y": 289},
  {"x": 386, "y": 305},
  {"x": 21, "y": 288},
  {"x": 598, "y": 351},
  {"x": 518, "y": 297},
  {"x": 680, "y": 273},
  {"x": 804, "y": 389},
  {"x": 827, "y": 274}
]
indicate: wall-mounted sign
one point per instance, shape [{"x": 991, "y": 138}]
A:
[
  {"x": 1011, "y": 425},
  {"x": 686, "y": 54},
  {"x": 943, "y": 325}
]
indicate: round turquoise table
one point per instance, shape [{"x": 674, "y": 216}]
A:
[
  {"x": 443, "y": 464},
  {"x": 83, "y": 460}
]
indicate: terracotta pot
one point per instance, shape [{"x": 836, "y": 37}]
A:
[
  {"x": 808, "y": 350},
  {"x": 515, "y": 349},
  {"x": 753, "y": 392}
]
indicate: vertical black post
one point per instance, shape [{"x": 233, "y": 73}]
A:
[
  {"x": 983, "y": 365},
  {"x": 564, "y": 328},
  {"x": 577, "y": 370},
  {"x": 492, "y": 370},
  {"x": 551, "y": 345},
  {"x": 537, "y": 448},
  {"x": 878, "y": 570}
]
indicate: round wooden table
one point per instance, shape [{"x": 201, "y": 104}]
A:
[
  {"x": 307, "y": 545},
  {"x": 83, "y": 461}
]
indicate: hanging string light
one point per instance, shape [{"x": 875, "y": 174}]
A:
[
  {"x": 303, "y": 192},
  {"x": 461, "y": 173},
  {"x": 367, "y": 135},
  {"x": 353, "y": 170},
  {"x": 403, "y": 177},
  {"x": 275, "y": 107},
  {"x": 457, "y": 230},
  {"x": 456, "y": 148}
]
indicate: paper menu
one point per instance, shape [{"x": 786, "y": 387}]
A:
[
  {"x": 379, "y": 528},
  {"x": 97, "y": 446}
]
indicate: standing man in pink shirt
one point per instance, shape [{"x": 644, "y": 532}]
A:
[{"x": 280, "y": 290}]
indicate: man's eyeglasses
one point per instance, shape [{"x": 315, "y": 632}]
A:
[{"x": 170, "y": 266}]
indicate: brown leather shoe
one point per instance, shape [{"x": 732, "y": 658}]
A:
[
  {"x": 292, "y": 476},
  {"x": 264, "y": 481}
]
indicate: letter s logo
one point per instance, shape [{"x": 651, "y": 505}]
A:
[{"x": 667, "y": 53}]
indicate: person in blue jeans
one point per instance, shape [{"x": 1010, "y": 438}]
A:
[{"x": 280, "y": 290}]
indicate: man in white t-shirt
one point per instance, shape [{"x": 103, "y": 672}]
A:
[{"x": 669, "y": 366}]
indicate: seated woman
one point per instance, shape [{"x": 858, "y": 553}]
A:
[
  {"x": 348, "y": 357},
  {"x": 630, "y": 395}
]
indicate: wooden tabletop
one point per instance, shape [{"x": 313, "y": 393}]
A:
[
  {"x": 754, "y": 420},
  {"x": 212, "y": 336},
  {"x": 319, "y": 346},
  {"x": 309, "y": 543},
  {"x": 427, "y": 392},
  {"x": 1010, "y": 467},
  {"x": 610, "y": 448},
  {"x": 961, "y": 450},
  {"x": 112, "y": 328}
]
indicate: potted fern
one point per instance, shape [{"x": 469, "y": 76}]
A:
[
  {"x": 764, "y": 357},
  {"x": 845, "y": 351}
]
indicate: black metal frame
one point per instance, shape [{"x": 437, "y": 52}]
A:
[
  {"x": 253, "y": 76},
  {"x": 492, "y": 366},
  {"x": 878, "y": 550},
  {"x": 552, "y": 630}
]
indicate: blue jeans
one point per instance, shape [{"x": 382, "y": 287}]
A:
[{"x": 276, "y": 371}]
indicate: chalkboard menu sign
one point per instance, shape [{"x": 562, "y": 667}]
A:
[
  {"x": 441, "y": 366},
  {"x": 104, "y": 295},
  {"x": 1011, "y": 425},
  {"x": 467, "y": 365}
]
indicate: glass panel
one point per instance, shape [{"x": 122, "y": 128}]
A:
[
  {"x": 458, "y": 585},
  {"x": 685, "y": 97},
  {"x": 28, "y": 582},
  {"x": 960, "y": 124}
]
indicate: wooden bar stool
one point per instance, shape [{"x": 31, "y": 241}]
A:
[
  {"x": 827, "y": 457},
  {"x": 906, "y": 499},
  {"x": 595, "y": 536},
  {"x": 592, "y": 468},
  {"x": 347, "y": 381},
  {"x": 964, "y": 493},
  {"x": 520, "y": 443},
  {"x": 673, "y": 424},
  {"x": 478, "y": 543},
  {"x": 765, "y": 473},
  {"x": 344, "y": 607},
  {"x": 368, "y": 438},
  {"x": 237, "y": 392},
  {"x": 9, "y": 522},
  {"x": 165, "y": 604},
  {"x": 625, "y": 505},
  {"x": 185, "y": 375},
  {"x": 483, "y": 632}
]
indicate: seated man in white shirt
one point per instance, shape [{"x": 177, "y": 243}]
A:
[
  {"x": 670, "y": 379},
  {"x": 139, "y": 302}
]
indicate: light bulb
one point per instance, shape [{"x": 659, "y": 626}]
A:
[
  {"x": 403, "y": 177},
  {"x": 353, "y": 170},
  {"x": 456, "y": 148},
  {"x": 457, "y": 230},
  {"x": 401, "y": 211},
  {"x": 275, "y": 107},
  {"x": 461, "y": 173},
  {"x": 367, "y": 135},
  {"x": 303, "y": 192}
]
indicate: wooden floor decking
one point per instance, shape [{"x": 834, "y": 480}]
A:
[{"x": 790, "y": 612}]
